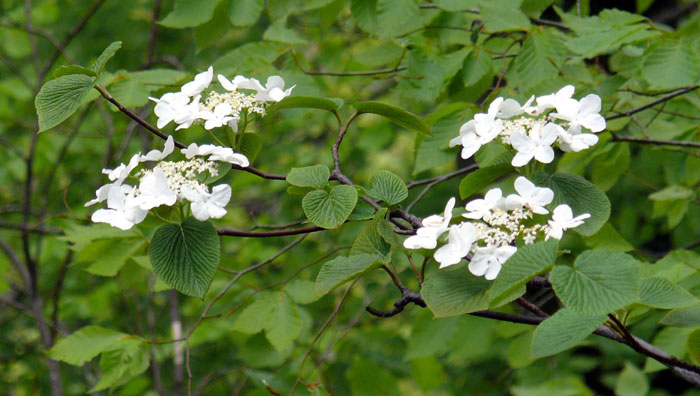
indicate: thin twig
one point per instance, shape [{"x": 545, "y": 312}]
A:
[
  {"x": 436, "y": 180},
  {"x": 268, "y": 234},
  {"x": 654, "y": 142},
  {"x": 653, "y": 103}
]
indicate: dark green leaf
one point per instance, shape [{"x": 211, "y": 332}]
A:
[
  {"x": 66, "y": 70},
  {"x": 395, "y": 114},
  {"x": 185, "y": 256},
  {"x": 563, "y": 330},
  {"x": 455, "y": 291},
  {"x": 250, "y": 145},
  {"x": 387, "y": 187},
  {"x": 309, "y": 176},
  {"x": 661, "y": 293},
  {"x": 245, "y": 12},
  {"x": 341, "y": 269},
  {"x": 309, "y": 102},
  {"x": 188, "y": 13},
  {"x": 330, "y": 210},
  {"x": 480, "y": 178},
  {"x": 60, "y": 98},
  {"x": 99, "y": 64}
]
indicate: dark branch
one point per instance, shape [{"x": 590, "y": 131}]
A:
[
  {"x": 653, "y": 103},
  {"x": 408, "y": 296},
  {"x": 268, "y": 234},
  {"x": 655, "y": 142}
]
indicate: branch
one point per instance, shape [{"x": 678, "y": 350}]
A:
[
  {"x": 432, "y": 182},
  {"x": 653, "y": 103},
  {"x": 268, "y": 234},
  {"x": 655, "y": 142},
  {"x": 407, "y": 296}
]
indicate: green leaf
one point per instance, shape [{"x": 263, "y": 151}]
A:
[
  {"x": 563, "y": 330},
  {"x": 122, "y": 361},
  {"x": 188, "y": 13},
  {"x": 66, "y": 70},
  {"x": 185, "y": 256},
  {"x": 364, "y": 12},
  {"x": 608, "y": 237},
  {"x": 284, "y": 323},
  {"x": 157, "y": 77},
  {"x": 366, "y": 378},
  {"x": 341, "y": 269},
  {"x": 111, "y": 255},
  {"x": 369, "y": 241},
  {"x": 427, "y": 372},
  {"x": 429, "y": 336},
  {"x": 671, "y": 340},
  {"x": 503, "y": 15},
  {"x": 84, "y": 344},
  {"x": 528, "y": 262},
  {"x": 601, "y": 281},
  {"x": 670, "y": 64},
  {"x": 396, "y": 114},
  {"x": 99, "y": 64},
  {"x": 661, "y": 293},
  {"x": 387, "y": 187},
  {"x": 60, "y": 98},
  {"x": 672, "y": 193},
  {"x": 362, "y": 211},
  {"x": 480, "y": 178},
  {"x": 245, "y": 13},
  {"x": 309, "y": 102},
  {"x": 309, "y": 176},
  {"x": 609, "y": 165},
  {"x": 433, "y": 151},
  {"x": 693, "y": 345},
  {"x": 301, "y": 291},
  {"x": 278, "y": 31},
  {"x": 396, "y": 17},
  {"x": 683, "y": 317},
  {"x": 539, "y": 57},
  {"x": 255, "y": 316},
  {"x": 581, "y": 195},
  {"x": 130, "y": 93},
  {"x": 476, "y": 66},
  {"x": 631, "y": 382},
  {"x": 250, "y": 145},
  {"x": 330, "y": 210},
  {"x": 455, "y": 291}
]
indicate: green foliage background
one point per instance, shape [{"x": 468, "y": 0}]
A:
[{"x": 440, "y": 60}]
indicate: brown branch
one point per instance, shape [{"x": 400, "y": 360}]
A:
[
  {"x": 653, "y": 103},
  {"x": 432, "y": 182},
  {"x": 655, "y": 142},
  {"x": 150, "y": 48},
  {"x": 268, "y": 234}
]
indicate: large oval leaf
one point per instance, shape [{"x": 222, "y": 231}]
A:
[
  {"x": 309, "y": 176},
  {"x": 455, "y": 291},
  {"x": 600, "y": 282},
  {"x": 581, "y": 195},
  {"x": 563, "y": 330},
  {"x": 185, "y": 256},
  {"x": 330, "y": 210}
]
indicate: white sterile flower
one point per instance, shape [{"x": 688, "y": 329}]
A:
[
  {"x": 176, "y": 106},
  {"x": 530, "y": 196},
  {"x": 511, "y": 108},
  {"x": 154, "y": 191},
  {"x": 459, "y": 243},
  {"x": 120, "y": 173},
  {"x": 273, "y": 91},
  {"x": 486, "y": 125},
  {"x": 487, "y": 261},
  {"x": 585, "y": 113},
  {"x": 561, "y": 98},
  {"x": 200, "y": 83},
  {"x": 205, "y": 205},
  {"x": 471, "y": 141},
  {"x": 572, "y": 141},
  {"x": 156, "y": 155},
  {"x": 433, "y": 226},
  {"x": 217, "y": 118},
  {"x": 537, "y": 144},
  {"x": 123, "y": 209},
  {"x": 216, "y": 153},
  {"x": 237, "y": 82},
  {"x": 481, "y": 208},
  {"x": 563, "y": 219}
]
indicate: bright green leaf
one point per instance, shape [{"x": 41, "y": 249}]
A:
[
  {"x": 84, "y": 344},
  {"x": 503, "y": 15},
  {"x": 683, "y": 317},
  {"x": 66, "y": 70},
  {"x": 661, "y": 293},
  {"x": 693, "y": 345},
  {"x": 396, "y": 114},
  {"x": 387, "y": 187},
  {"x": 121, "y": 361},
  {"x": 631, "y": 382},
  {"x": 250, "y": 145},
  {"x": 309, "y": 176},
  {"x": 60, "y": 98},
  {"x": 99, "y": 64},
  {"x": 341, "y": 269},
  {"x": 245, "y": 12},
  {"x": 480, "y": 178},
  {"x": 284, "y": 323},
  {"x": 309, "y": 102},
  {"x": 188, "y": 13},
  {"x": 455, "y": 291},
  {"x": 671, "y": 63}
]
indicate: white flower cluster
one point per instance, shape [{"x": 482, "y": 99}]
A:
[
  {"x": 165, "y": 184},
  {"x": 533, "y": 132},
  {"x": 498, "y": 222},
  {"x": 219, "y": 109}
]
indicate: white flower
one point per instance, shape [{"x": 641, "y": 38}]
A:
[
  {"x": 238, "y": 81},
  {"x": 459, "y": 243},
  {"x": 433, "y": 226},
  {"x": 200, "y": 83},
  {"x": 561, "y": 98},
  {"x": 120, "y": 173},
  {"x": 271, "y": 92},
  {"x": 123, "y": 209},
  {"x": 176, "y": 106},
  {"x": 217, "y": 118},
  {"x": 563, "y": 219},
  {"x": 205, "y": 205},
  {"x": 487, "y": 261},
  {"x": 155, "y": 155},
  {"x": 572, "y": 141},
  {"x": 486, "y": 125},
  {"x": 101, "y": 194},
  {"x": 481, "y": 208},
  {"x": 471, "y": 141},
  {"x": 585, "y": 113},
  {"x": 154, "y": 191},
  {"x": 216, "y": 153},
  {"x": 536, "y": 144},
  {"x": 511, "y": 108},
  {"x": 530, "y": 196}
]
